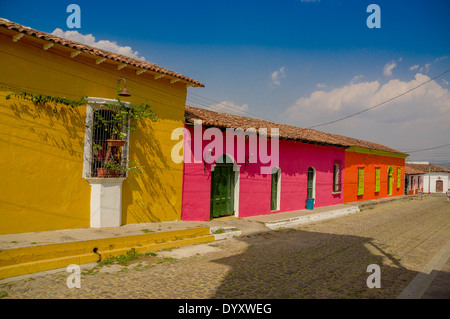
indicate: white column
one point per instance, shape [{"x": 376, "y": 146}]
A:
[{"x": 106, "y": 202}]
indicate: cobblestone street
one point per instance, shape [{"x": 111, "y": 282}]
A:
[{"x": 322, "y": 260}]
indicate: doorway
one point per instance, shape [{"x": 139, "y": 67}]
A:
[
  {"x": 222, "y": 190},
  {"x": 439, "y": 186},
  {"x": 390, "y": 179}
]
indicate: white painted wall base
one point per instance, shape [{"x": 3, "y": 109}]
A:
[{"x": 106, "y": 202}]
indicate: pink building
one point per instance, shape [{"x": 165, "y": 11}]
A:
[{"x": 309, "y": 166}]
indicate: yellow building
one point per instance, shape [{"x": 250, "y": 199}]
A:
[{"x": 47, "y": 179}]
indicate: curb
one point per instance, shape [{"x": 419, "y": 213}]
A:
[
  {"x": 419, "y": 285},
  {"x": 306, "y": 219}
]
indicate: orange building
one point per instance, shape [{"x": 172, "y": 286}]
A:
[{"x": 373, "y": 174}]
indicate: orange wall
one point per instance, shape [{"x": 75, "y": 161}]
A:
[{"x": 369, "y": 162}]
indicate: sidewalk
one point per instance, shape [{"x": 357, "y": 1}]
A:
[{"x": 246, "y": 225}]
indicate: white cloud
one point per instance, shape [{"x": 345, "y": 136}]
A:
[
  {"x": 277, "y": 76},
  {"x": 387, "y": 70},
  {"x": 230, "y": 107},
  {"x": 425, "y": 68},
  {"x": 356, "y": 78},
  {"x": 321, "y": 85},
  {"x": 416, "y": 119},
  {"x": 414, "y": 67},
  {"x": 89, "y": 39},
  {"x": 440, "y": 58}
]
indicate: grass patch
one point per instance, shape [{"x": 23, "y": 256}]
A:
[
  {"x": 90, "y": 272},
  {"x": 219, "y": 231},
  {"x": 150, "y": 254},
  {"x": 3, "y": 294},
  {"x": 147, "y": 231},
  {"x": 122, "y": 259},
  {"x": 166, "y": 259}
]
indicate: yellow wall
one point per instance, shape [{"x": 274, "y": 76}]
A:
[{"x": 41, "y": 158}]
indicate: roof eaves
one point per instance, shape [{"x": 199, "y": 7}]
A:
[{"x": 95, "y": 51}]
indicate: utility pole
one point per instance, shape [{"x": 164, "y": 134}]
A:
[{"x": 429, "y": 178}]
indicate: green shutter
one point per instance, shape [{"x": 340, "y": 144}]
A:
[
  {"x": 274, "y": 191},
  {"x": 399, "y": 177},
  {"x": 360, "y": 181},
  {"x": 377, "y": 180}
]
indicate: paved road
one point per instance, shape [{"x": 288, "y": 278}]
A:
[{"x": 323, "y": 260}]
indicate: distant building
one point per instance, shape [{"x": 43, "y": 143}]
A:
[{"x": 434, "y": 178}]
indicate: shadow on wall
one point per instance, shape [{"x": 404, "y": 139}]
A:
[
  {"x": 300, "y": 264},
  {"x": 156, "y": 183},
  {"x": 61, "y": 128},
  {"x": 44, "y": 156}
]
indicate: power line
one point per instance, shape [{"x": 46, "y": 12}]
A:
[
  {"x": 379, "y": 104},
  {"x": 431, "y": 148}
]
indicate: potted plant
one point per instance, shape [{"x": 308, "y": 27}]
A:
[{"x": 118, "y": 135}]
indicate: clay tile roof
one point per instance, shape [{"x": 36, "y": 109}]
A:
[
  {"x": 223, "y": 120},
  {"x": 423, "y": 168},
  {"x": 409, "y": 170},
  {"x": 95, "y": 51}
]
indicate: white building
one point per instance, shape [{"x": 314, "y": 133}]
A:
[{"x": 435, "y": 179}]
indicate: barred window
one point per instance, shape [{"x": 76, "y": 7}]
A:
[
  {"x": 106, "y": 140},
  {"x": 310, "y": 190}
]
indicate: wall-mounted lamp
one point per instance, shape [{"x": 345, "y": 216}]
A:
[{"x": 124, "y": 91}]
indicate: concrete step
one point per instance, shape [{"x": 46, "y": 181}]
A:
[{"x": 31, "y": 259}]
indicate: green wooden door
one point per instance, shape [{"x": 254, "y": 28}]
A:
[{"x": 222, "y": 191}]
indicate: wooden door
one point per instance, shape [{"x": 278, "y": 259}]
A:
[
  {"x": 439, "y": 186},
  {"x": 222, "y": 191}
]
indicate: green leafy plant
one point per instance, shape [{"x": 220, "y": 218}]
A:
[
  {"x": 122, "y": 259},
  {"x": 126, "y": 117},
  {"x": 42, "y": 99}
]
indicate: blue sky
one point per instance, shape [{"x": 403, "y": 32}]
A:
[{"x": 296, "y": 62}]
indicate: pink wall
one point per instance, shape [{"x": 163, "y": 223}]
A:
[{"x": 255, "y": 188}]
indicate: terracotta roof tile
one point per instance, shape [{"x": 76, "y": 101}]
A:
[
  {"x": 222, "y": 120},
  {"x": 95, "y": 51},
  {"x": 423, "y": 168}
]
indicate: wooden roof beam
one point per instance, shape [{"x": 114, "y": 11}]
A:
[{"x": 17, "y": 37}]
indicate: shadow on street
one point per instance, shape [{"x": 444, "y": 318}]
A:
[{"x": 301, "y": 264}]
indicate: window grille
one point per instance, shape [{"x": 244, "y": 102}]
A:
[{"x": 106, "y": 154}]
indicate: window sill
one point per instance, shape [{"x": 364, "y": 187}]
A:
[
  {"x": 335, "y": 193},
  {"x": 104, "y": 180}
]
